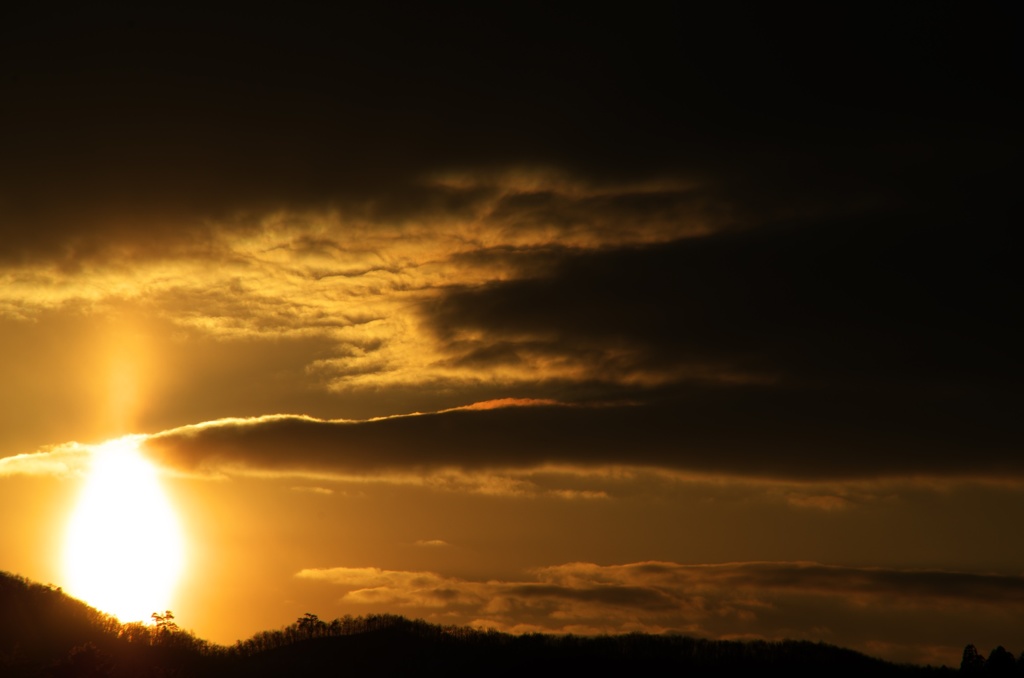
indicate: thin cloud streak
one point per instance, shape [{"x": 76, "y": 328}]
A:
[
  {"x": 667, "y": 436},
  {"x": 61, "y": 460},
  {"x": 524, "y": 437},
  {"x": 509, "y": 446}
]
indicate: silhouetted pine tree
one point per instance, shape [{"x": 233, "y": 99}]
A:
[{"x": 973, "y": 661}]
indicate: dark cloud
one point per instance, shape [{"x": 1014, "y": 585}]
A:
[
  {"x": 608, "y": 212},
  {"x": 902, "y": 299},
  {"x": 138, "y": 126},
  {"x": 752, "y": 431},
  {"x": 926, "y": 585},
  {"x": 623, "y": 596},
  {"x": 813, "y": 577},
  {"x": 891, "y": 334},
  {"x": 151, "y": 117}
]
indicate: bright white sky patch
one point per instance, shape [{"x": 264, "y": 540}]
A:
[{"x": 124, "y": 548}]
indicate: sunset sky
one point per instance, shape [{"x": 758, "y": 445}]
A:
[{"x": 526, "y": 318}]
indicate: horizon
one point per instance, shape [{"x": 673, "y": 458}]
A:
[
  {"x": 664, "y": 320},
  {"x": 418, "y": 646},
  {"x": 162, "y": 630}
]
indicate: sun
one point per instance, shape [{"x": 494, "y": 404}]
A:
[{"x": 124, "y": 549}]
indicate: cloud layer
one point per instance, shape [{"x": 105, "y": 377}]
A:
[
  {"x": 684, "y": 435},
  {"x": 758, "y": 599},
  {"x": 787, "y": 288}
]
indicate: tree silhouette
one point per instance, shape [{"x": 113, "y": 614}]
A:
[
  {"x": 84, "y": 661},
  {"x": 1000, "y": 663},
  {"x": 310, "y": 626},
  {"x": 164, "y": 623},
  {"x": 973, "y": 661}
]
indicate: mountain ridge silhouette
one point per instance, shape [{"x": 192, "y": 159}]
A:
[{"x": 46, "y": 633}]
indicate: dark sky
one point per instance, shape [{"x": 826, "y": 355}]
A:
[{"x": 780, "y": 113}]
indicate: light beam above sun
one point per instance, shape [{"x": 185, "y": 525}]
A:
[{"x": 124, "y": 549}]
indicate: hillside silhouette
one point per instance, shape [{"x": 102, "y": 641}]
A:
[{"x": 45, "y": 633}]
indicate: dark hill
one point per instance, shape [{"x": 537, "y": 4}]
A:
[
  {"x": 38, "y": 623},
  {"x": 45, "y": 633},
  {"x": 400, "y": 647}
]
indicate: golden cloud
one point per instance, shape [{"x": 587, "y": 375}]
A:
[{"x": 360, "y": 273}]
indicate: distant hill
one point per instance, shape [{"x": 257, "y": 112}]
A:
[
  {"x": 38, "y": 623},
  {"x": 45, "y": 633},
  {"x": 395, "y": 646}
]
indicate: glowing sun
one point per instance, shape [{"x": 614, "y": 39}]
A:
[{"x": 124, "y": 549}]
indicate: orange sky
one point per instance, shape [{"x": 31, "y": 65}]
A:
[{"x": 524, "y": 319}]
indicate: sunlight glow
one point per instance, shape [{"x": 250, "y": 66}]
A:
[{"x": 124, "y": 548}]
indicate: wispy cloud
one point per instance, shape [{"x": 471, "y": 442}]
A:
[
  {"x": 312, "y": 489},
  {"x": 58, "y": 460},
  {"x": 431, "y": 543},
  {"x": 358, "y": 274}
]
